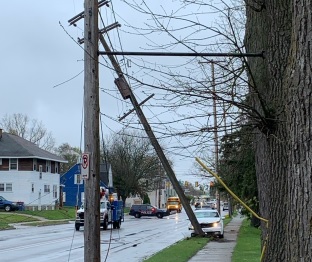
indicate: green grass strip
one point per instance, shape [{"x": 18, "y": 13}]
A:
[
  {"x": 64, "y": 213},
  {"x": 10, "y": 218},
  {"x": 248, "y": 245}
]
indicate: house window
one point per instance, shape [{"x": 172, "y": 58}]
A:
[
  {"x": 56, "y": 168},
  {"x": 48, "y": 166},
  {"x": 0, "y": 161},
  {"x": 78, "y": 179},
  {"x": 40, "y": 172},
  {"x": 46, "y": 188},
  {"x": 35, "y": 164},
  {"x": 54, "y": 191},
  {"x": 6, "y": 187},
  {"x": 13, "y": 163},
  {"x": 32, "y": 187}
]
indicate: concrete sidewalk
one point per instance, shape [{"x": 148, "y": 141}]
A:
[{"x": 220, "y": 250}]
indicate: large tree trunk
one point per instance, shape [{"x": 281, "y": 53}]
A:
[
  {"x": 281, "y": 92},
  {"x": 299, "y": 217}
]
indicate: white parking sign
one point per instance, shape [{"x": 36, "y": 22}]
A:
[{"x": 85, "y": 163}]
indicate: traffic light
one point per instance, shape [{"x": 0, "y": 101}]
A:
[{"x": 196, "y": 184}]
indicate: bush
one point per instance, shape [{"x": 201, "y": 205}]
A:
[{"x": 146, "y": 199}]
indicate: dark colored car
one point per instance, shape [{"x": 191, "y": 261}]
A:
[
  {"x": 147, "y": 210},
  {"x": 8, "y": 205}
]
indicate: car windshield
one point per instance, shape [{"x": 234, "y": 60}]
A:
[
  {"x": 206, "y": 214},
  {"x": 173, "y": 202}
]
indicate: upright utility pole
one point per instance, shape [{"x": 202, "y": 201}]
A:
[
  {"x": 159, "y": 185},
  {"x": 215, "y": 130},
  {"x": 92, "y": 251}
]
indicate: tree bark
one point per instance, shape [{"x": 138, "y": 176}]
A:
[
  {"x": 268, "y": 29},
  {"x": 282, "y": 81},
  {"x": 299, "y": 224}
]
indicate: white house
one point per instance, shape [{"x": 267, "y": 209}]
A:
[{"x": 28, "y": 173}]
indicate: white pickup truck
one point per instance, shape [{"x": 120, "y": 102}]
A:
[{"x": 110, "y": 213}]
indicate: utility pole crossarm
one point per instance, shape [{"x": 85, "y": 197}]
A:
[
  {"x": 76, "y": 18},
  {"x": 101, "y": 31},
  {"x": 130, "y": 111}
]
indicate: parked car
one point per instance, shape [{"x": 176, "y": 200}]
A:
[
  {"x": 225, "y": 206},
  {"x": 8, "y": 205},
  {"x": 210, "y": 222},
  {"x": 147, "y": 210}
]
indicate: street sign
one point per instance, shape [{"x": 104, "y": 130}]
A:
[{"x": 85, "y": 164}]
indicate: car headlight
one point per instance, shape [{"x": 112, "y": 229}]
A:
[
  {"x": 191, "y": 227},
  {"x": 217, "y": 224}
]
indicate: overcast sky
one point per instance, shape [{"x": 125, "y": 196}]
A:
[{"x": 38, "y": 54}]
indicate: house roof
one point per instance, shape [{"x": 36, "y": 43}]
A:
[{"x": 13, "y": 146}]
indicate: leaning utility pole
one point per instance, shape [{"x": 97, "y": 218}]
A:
[
  {"x": 92, "y": 251},
  {"x": 126, "y": 92}
]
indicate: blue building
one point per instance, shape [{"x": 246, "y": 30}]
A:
[{"x": 72, "y": 184}]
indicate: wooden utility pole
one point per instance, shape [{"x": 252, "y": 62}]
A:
[
  {"x": 92, "y": 251},
  {"x": 229, "y": 197},
  {"x": 215, "y": 130},
  {"x": 127, "y": 93}
]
